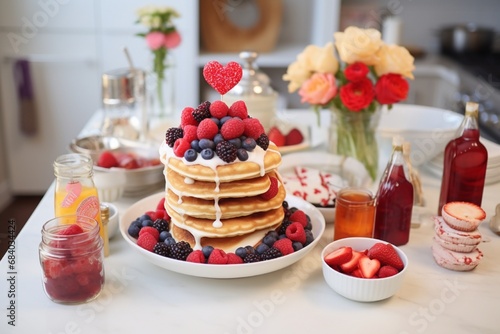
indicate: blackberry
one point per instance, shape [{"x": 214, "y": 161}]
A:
[
  {"x": 180, "y": 250},
  {"x": 162, "y": 249},
  {"x": 282, "y": 228},
  {"x": 161, "y": 225},
  {"x": 226, "y": 151},
  {"x": 172, "y": 135},
  {"x": 263, "y": 141},
  {"x": 202, "y": 112},
  {"x": 271, "y": 253},
  {"x": 250, "y": 258}
]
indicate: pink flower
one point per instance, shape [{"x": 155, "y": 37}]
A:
[
  {"x": 155, "y": 40},
  {"x": 320, "y": 88},
  {"x": 172, "y": 40}
]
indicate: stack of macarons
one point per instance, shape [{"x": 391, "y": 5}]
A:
[{"x": 457, "y": 237}]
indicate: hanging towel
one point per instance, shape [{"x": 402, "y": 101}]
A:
[{"x": 28, "y": 122}]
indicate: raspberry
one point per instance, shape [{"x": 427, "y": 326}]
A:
[
  {"x": 162, "y": 249},
  {"x": 180, "y": 250},
  {"x": 284, "y": 246},
  {"x": 196, "y": 257},
  {"x": 71, "y": 230},
  {"x": 161, "y": 204},
  {"x": 238, "y": 109},
  {"x": 161, "y": 225},
  {"x": 107, "y": 160},
  {"x": 226, "y": 151},
  {"x": 146, "y": 241},
  {"x": 263, "y": 141},
  {"x": 181, "y": 146},
  {"x": 300, "y": 217},
  {"x": 151, "y": 230},
  {"x": 218, "y": 256},
  {"x": 271, "y": 253},
  {"x": 233, "y": 259},
  {"x": 251, "y": 257},
  {"x": 253, "y": 128},
  {"x": 295, "y": 232},
  {"x": 172, "y": 135},
  {"x": 190, "y": 133},
  {"x": 187, "y": 117},
  {"x": 219, "y": 109},
  {"x": 158, "y": 214},
  {"x": 202, "y": 112},
  {"x": 207, "y": 129},
  {"x": 232, "y": 128},
  {"x": 272, "y": 191}
]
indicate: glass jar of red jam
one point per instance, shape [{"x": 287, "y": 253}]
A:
[{"x": 71, "y": 258}]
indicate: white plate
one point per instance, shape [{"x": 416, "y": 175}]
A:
[
  {"x": 294, "y": 148},
  {"x": 348, "y": 168},
  {"x": 221, "y": 271}
]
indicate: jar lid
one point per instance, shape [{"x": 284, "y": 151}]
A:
[
  {"x": 122, "y": 86},
  {"x": 253, "y": 81}
]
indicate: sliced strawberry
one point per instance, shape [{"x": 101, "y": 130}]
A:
[
  {"x": 387, "y": 271},
  {"x": 276, "y": 136},
  {"x": 368, "y": 267},
  {"x": 356, "y": 273},
  {"x": 294, "y": 137},
  {"x": 386, "y": 254},
  {"x": 107, "y": 160},
  {"x": 71, "y": 230},
  {"x": 339, "y": 256},
  {"x": 353, "y": 263}
]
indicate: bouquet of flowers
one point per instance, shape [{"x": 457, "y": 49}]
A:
[
  {"x": 161, "y": 36},
  {"x": 369, "y": 74}
]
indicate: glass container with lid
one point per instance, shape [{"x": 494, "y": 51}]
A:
[{"x": 255, "y": 90}]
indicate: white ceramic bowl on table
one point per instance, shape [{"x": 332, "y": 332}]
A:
[
  {"x": 428, "y": 130},
  {"x": 361, "y": 289}
]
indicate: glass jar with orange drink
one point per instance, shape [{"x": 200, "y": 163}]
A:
[
  {"x": 354, "y": 213},
  {"x": 75, "y": 192}
]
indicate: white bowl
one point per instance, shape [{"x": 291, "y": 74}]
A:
[
  {"x": 110, "y": 186},
  {"x": 428, "y": 130},
  {"x": 361, "y": 289},
  {"x": 114, "y": 220}
]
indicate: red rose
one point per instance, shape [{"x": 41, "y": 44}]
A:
[
  {"x": 356, "y": 71},
  {"x": 357, "y": 95},
  {"x": 391, "y": 88}
]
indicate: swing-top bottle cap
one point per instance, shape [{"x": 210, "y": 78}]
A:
[
  {"x": 471, "y": 108},
  {"x": 397, "y": 141}
]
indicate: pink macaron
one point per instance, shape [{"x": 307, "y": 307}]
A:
[
  {"x": 463, "y": 216},
  {"x": 455, "y": 240},
  {"x": 454, "y": 260}
]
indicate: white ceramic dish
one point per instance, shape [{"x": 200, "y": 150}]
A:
[
  {"x": 361, "y": 289},
  {"x": 350, "y": 169},
  {"x": 220, "y": 271},
  {"x": 114, "y": 220}
]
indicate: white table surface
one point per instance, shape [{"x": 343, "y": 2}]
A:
[{"x": 139, "y": 297}]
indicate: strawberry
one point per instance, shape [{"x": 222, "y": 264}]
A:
[
  {"x": 151, "y": 230},
  {"x": 190, "y": 132},
  {"x": 146, "y": 241},
  {"x": 300, "y": 217},
  {"x": 238, "y": 109},
  {"x": 233, "y": 259},
  {"x": 356, "y": 273},
  {"x": 294, "y": 137},
  {"x": 196, "y": 256},
  {"x": 339, "y": 256},
  {"x": 387, "y": 271},
  {"x": 161, "y": 204},
  {"x": 218, "y": 256},
  {"x": 107, "y": 160},
  {"x": 386, "y": 254},
  {"x": 352, "y": 263},
  {"x": 129, "y": 163},
  {"x": 71, "y": 230},
  {"x": 181, "y": 146},
  {"x": 295, "y": 232},
  {"x": 232, "y": 128},
  {"x": 219, "y": 109},
  {"x": 253, "y": 128},
  {"x": 272, "y": 191},
  {"x": 368, "y": 267},
  {"x": 284, "y": 246},
  {"x": 276, "y": 136},
  {"x": 187, "y": 117},
  {"x": 207, "y": 129}
]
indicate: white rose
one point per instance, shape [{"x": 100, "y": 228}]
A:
[
  {"x": 395, "y": 59},
  {"x": 296, "y": 73},
  {"x": 356, "y": 44}
]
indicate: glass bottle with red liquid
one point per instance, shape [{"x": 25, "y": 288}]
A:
[
  {"x": 465, "y": 162},
  {"x": 394, "y": 199}
]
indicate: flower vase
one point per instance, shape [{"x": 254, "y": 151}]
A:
[
  {"x": 161, "y": 96},
  {"x": 353, "y": 134}
]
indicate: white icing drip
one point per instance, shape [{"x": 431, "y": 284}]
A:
[
  {"x": 188, "y": 180},
  {"x": 218, "y": 214}
]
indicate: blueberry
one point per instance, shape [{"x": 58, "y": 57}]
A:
[
  {"x": 241, "y": 252},
  {"x": 133, "y": 230},
  {"x": 216, "y": 121},
  {"x": 270, "y": 239},
  {"x": 249, "y": 144},
  {"x": 308, "y": 225},
  {"x": 273, "y": 234},
  {"x": 218, "y": 138},
  {"x": 207, "y": 154},
  {"x": 207, "y": 250},
  {"x": 297, "y": 246},
  {"x": 250, "y": 249},
  {"x": 144, "y": 217},
  {"x": 206, "y": 143},
  {"x": 137, "y": 222},
  {"x": 169, "y": 241},
  {"x": 236, "y": 142},
  {"x": 282, "y": 236},
  {"x": 195, "y": 145},
  {"x": 261, "y": 248},
  {"x": 242, "y": 154},
  {"x": 147, "y": 222},
  {"x": 190, "y": 155},
  {"x": 309, "y": 237},
  {"x": 164, "y": 235},
  {"x": 224, "y": 119}
]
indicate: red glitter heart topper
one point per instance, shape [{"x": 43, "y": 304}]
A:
[{"x": 222, "y": 78}]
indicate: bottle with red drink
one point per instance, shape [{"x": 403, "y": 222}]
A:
[
  {"x": 394, "y": 199},
  {"x": 465, "y": 162}
]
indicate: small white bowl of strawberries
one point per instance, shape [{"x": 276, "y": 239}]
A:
[{"x": 364, "y": 269}]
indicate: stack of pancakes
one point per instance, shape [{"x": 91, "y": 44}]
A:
[{"x": 215, "y": 203}]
